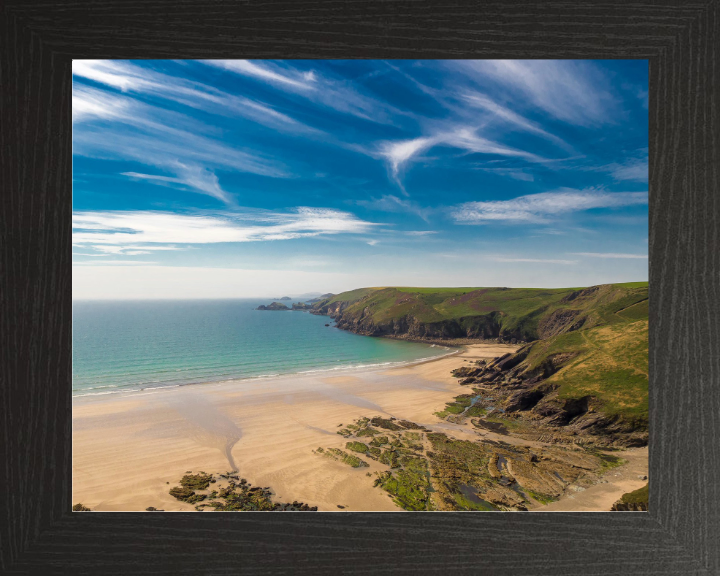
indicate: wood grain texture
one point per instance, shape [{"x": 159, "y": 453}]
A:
[{"x": 38, "y": 534}]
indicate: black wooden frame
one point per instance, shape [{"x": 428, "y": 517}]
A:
[{"x": 39, "y": 534}]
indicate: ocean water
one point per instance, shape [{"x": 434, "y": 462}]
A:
[{"x": 128, "y": 345}]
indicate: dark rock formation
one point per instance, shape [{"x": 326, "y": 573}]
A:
[
  {"x": 560, "y": 321},
  {"x": 273, "y": 306}
]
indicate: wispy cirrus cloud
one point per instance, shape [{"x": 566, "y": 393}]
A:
[
  {"x": 533, "y": 260},
  {"x": 115, "y": 263},
  {"x": 334, "y": 93},
  {"x": 479, "y": 100},
  {"x": 571, "y": 91},
  {"x": 611, "y": 255},
  {"x": 514, "y": 173},
  {"x": 268, "y": 72},
  {"x": 131, "y": 78},
  {"x": 542, "y": 207},
  {"x": 117, "y": 127},
  {"x": 120, "y": 232},
  {"x": 634, "y": 170},
  {"x": 398, "y": 154},
  {"x": 193, "y": 177},
  {"x": 391, "y": 203}
]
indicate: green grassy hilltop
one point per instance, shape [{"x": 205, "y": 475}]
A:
[{"x": 525, "y": 314}]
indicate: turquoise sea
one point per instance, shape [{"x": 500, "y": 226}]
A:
[{"x": 132, "y": 345}]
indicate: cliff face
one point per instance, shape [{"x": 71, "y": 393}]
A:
[{"x": 409, "y": 326}]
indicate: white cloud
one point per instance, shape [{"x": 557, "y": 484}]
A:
[
  {"x": 483, "y": 101},
  {"x": 611, "y": 255},
  {"x": 128, "y": 77},
  {"x": 266, "y": 71},
  {"x": 113, "y": 263},
  {"x": 514, "y": 173},
  {"x": 541, "y": 207},
  {"x": 128, "y": 250},
  {"x": 192, "y": 176},
  {"x": 159, "y": 138},
  {"x": 571, "y": 91},
  {"x": 88, "y": 103},
  {"x": 120, "y": 232},
  {"x": 533, "y": 260},
  {"x": 634, "y": 170},
  {"x": 399, "y": 153},
  {"x": 336, "y": 94},
  {"x": 390, "y": 203},
  {"x": 468, "y": 139}
]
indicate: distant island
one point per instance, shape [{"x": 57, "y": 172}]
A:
[
  {"x": 273, "y": 306},
  {"x": 278, "y": 306}
]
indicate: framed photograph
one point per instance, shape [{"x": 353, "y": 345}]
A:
[{"x": 269, "y": 259}]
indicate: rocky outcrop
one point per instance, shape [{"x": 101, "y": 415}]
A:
[
  {"x": 332, "y": 309},
  {"x": 302, "y": 306},
  {"x": 525, "y": 395},
  {"x": 560, "y": 321},
  {"x": 273, "y": 306},
  {"x": 581, "y": 294}
]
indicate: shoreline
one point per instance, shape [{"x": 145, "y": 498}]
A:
[
  {"x": 130, "y": 448},
  {"x": 351, "y": 367}
]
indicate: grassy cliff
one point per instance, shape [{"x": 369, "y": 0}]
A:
[{"x": 525, "y": 314}]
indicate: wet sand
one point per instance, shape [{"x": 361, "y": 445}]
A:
[{"x": 130, "y": 448}]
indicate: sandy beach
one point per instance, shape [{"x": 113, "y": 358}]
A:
[{"x": 130, "y": 448}]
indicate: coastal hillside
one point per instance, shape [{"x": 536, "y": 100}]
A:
[
  {"x": 520, "y": 314},
  {"x": 581, "y": 370}
]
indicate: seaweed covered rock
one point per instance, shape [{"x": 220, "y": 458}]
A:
[
  {"x": 196, "y": 481},
  {"x": 238, "y": 496},
  {"x": 181, "y": 493},
  {"x": 345, "y": 458},
  {"x": 384, "y": 423}
]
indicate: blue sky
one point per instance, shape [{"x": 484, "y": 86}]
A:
[{"x": 235, "y": 178}]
